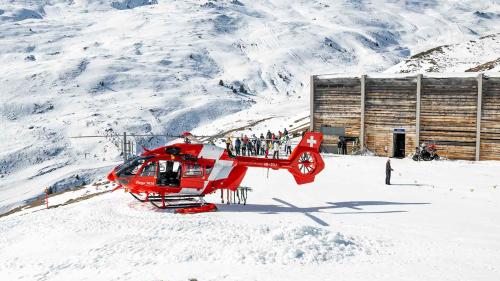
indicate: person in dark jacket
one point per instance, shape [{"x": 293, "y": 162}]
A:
[
  {"x": 244, "y": 141},
  {"x": 258, "y": 142},
  {"x": 388, "y": 170},
  {"x": 344, "y": 146},
  {"x": 340, "y": 150},
  {"x": 237, "y": 145},
  {"x": 250, "y": 151},
  {"x": 269, "y": 135},
  {"x": 304, "y": 132}
]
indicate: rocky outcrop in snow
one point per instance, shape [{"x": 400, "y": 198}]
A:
[
  {"x": 130, "y": 4},
  {"x": 481, "y": 54}
]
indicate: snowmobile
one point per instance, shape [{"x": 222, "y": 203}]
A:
[{"x": 426, "y": 153}]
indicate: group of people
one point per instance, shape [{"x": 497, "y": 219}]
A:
[
  {"x": 271, "y": 142},
  {"x": 262, "y": 145}
]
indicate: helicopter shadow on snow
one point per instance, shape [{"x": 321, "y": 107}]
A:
[{"x": 286, "y": 207}]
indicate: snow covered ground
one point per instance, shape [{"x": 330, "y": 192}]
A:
[
  {"x": 438, "y": 221},
  {"x": 102, "y": 67}
]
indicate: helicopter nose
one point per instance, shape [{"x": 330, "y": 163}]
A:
[{"x": 112, "y": 176}]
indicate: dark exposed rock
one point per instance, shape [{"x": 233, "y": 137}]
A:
[{"x": 130, "y": 4}]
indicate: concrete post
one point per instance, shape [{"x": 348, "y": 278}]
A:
[{"x": 479, "y": 115}]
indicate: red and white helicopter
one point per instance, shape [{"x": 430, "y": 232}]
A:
[{"x": 178, "y": 176}]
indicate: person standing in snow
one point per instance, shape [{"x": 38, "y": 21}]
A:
[
  {"x": 254, "y": 145},
  {"x": 269, "y": 147},
  {"x": 237, "y": 145},
  {"x": 228, "y": 144},
  {"x": 344, "y": 146},
  {"x": 388, "y": 170},
  {"x": 249, "y": 148},
  {"x": 288, "y": 145},
  {"x": 246, "y": 140},
  {"x": 304, "y": 132},
  {"x": 263, "y": 147},
  {"x": 258, "y": 143},
  {"x": 268, "y": 136},
  {"x": 276, "y": 150},
  {"x": 243, "y": 146},
  {"x": 340, "y": 150}
]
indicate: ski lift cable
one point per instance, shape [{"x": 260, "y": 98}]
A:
[
  {"x": 165, "y": 135},
  {"x": 133, "y": 135}
]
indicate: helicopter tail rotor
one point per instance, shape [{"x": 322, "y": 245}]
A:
[{"x": 306, "y": 162}]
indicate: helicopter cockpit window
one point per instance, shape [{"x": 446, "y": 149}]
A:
[
  {"x": 149, "y": 170},
  {"x": 193, "y": 170},
  {"x": 132, "y": 166}
]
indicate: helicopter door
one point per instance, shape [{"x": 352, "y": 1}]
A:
[
  {"x": 192, "y": 176},
  {"x": 169, "y": 173}
]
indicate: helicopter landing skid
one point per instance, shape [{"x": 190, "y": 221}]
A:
[
  {"x": 182, "y": 204},
  {"x": 138, "y": 197}
]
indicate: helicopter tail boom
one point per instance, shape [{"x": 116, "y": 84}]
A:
[{"x": 304, "y": 163}]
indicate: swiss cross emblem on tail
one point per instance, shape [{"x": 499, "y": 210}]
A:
[{"x": 311, "y": 140}]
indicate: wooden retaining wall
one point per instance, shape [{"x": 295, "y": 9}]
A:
[
  {"x": 389, "y": 103},
  {"x": 337, "y": 104},
  {"x": 448, "y": 115},
  {"x": 434, "y": 110}
]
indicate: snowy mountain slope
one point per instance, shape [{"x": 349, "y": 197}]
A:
[
  {"x": 103, "y": 67},
  {"x": 482, "y": 54},
  {"x": 437, "y": 222}
]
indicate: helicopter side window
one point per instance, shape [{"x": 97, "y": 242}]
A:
[
  {"x": 149, "y": 170},
  {"x": 176, "y": 167},
  {"x": 193, "y": 170},
  {"x": 162, "y": 166},
  {"x": 208, "y": 169}
]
